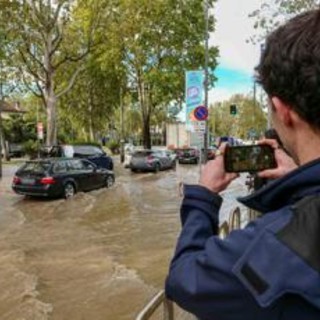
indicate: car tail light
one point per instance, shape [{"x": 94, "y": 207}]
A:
[
  {"x": 16, "y": 180},
  {"x": 47, "y": 180},
  {"x": 150, "y": 158}
]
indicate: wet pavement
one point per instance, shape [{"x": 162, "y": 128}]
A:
[{"x": 100, "y": 255}]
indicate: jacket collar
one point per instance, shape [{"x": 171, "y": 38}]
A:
[{"x": 297, "y": 184}]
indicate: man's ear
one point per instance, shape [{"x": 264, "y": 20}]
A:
[{"x": 284, "y": 112}]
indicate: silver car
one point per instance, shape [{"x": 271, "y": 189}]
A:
[{"x": 151, "y": 160}]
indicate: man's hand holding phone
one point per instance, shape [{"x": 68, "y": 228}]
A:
[
  {"x": 285, "y": 163},
  {"x": 213, "y": 174}
]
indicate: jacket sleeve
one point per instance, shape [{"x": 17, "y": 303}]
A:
[{"x": 200, "y": 278}]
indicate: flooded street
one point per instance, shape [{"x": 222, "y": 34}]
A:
[{"x": 100, "y": 255}]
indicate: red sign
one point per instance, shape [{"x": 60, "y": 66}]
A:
[{"x": 201, "y": 113}]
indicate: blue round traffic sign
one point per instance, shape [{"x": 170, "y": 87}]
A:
[{"x": 201, "y": 113}]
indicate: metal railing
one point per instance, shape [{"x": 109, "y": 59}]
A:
[
  {"x": 154, "y": 304},
  {"x": 159, "y": 307}
]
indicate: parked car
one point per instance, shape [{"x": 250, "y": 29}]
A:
[
  {"x": 60, "y": 177},
  {"x": 16, "y": 150},
  {"x": 188, "y": 155},
  {"x": 93, "y": 153},
  {"x": 151, "y": 160},
  {"x": 171, "y": 154}
]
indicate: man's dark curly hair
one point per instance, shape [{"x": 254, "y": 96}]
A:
[{"x": 290, "y": 66}]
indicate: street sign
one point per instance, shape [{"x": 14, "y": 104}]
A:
[
  {"x": 199, "y": 126},
  {"x": 201, "y": 113}
]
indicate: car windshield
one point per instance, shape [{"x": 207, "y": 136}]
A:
[
  {"x": 36, "y": 167},
  {"x": 142, "y": 153}
]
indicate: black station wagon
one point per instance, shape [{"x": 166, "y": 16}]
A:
[{"x": 60, "y": 177}]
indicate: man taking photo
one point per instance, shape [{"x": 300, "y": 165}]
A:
[{"x": 270, "y": 269}]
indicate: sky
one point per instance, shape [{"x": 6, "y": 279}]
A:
[{"x": 237, "y": 57}]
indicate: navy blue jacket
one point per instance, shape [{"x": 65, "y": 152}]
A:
[{"x": 268, "y": 270}]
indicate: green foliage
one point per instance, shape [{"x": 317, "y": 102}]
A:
[
  {"x": 274, "y": 12},
  {"x": 132, "y": 53},
  {"x": 31, "y": 148},
  {"x": 249, "y": 115},
  {"x": 17, "y": 128},
  {"x": 113, "y": 146}
]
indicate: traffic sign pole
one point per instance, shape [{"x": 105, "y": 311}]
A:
[{"x": 205, "y": 144}]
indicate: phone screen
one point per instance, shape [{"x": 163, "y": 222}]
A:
[{"x": 251, "y": 158}]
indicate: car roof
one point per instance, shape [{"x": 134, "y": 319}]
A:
[{"x": 53, "y": 159}]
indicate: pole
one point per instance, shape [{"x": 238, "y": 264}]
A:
[
  {"x": 1, "y": 104},
  {"x": 205, "y": 142},
  {"x": 254, "y": 100},
  {"x": 1, "y": 134},
  {"x": 122, "y": 128},
  {"x": 254, "y": 104}
]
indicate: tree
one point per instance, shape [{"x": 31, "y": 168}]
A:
[
  {"x": 46, "y": 40},
  {"x": 250, "y": 115},
  {"x": 91, "y": 104},
  {"x": 274, "y": 12},
  {"x": 160, "y": 40}
]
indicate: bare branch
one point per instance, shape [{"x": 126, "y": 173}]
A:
[
  {"x": 34, "y": 58},
  {"x": 30, "y": 70},
  {"x": 70, "y": 59},
  {"x": 71, "y": 82},
  {"x": 56, "y": 41},
  {"x": 26, "y": 83},
  {"x": 56, "y": 14}
]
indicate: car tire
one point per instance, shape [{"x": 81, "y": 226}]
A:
[
  {"x": 174, "y": 165},
  {"x": 109, "y": 181},
  {"x": 157, "y": 167},
  {"x": 69, "y": 190},
  {"x": 196, "y": 161},
  {"x": 133, "y": 170}
]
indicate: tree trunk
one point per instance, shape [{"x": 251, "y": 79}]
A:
[
  {"x": 51, "y": 138},
  {"x": 146, "y": 133},
  {"x": 91, "y": 130},
  {"x": 144, "y": 106},
  {"x": 49, "y": 94}
]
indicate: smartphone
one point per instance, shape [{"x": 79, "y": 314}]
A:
[{"x": 251, "y": 158}]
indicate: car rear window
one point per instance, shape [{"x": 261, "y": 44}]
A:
[
  {"x": 86, "y": 151},
  {"x": 36, "y": 167}
]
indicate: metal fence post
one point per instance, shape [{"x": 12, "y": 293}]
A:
[{"x": 168, "y": 313}]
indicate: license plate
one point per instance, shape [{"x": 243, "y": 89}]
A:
[{"x": 27, "y": 181}]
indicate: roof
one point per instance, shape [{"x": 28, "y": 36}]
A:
[{"x": 7, "y": 107}]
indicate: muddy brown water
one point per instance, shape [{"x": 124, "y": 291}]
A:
[{"x": 100, "y": 255}]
